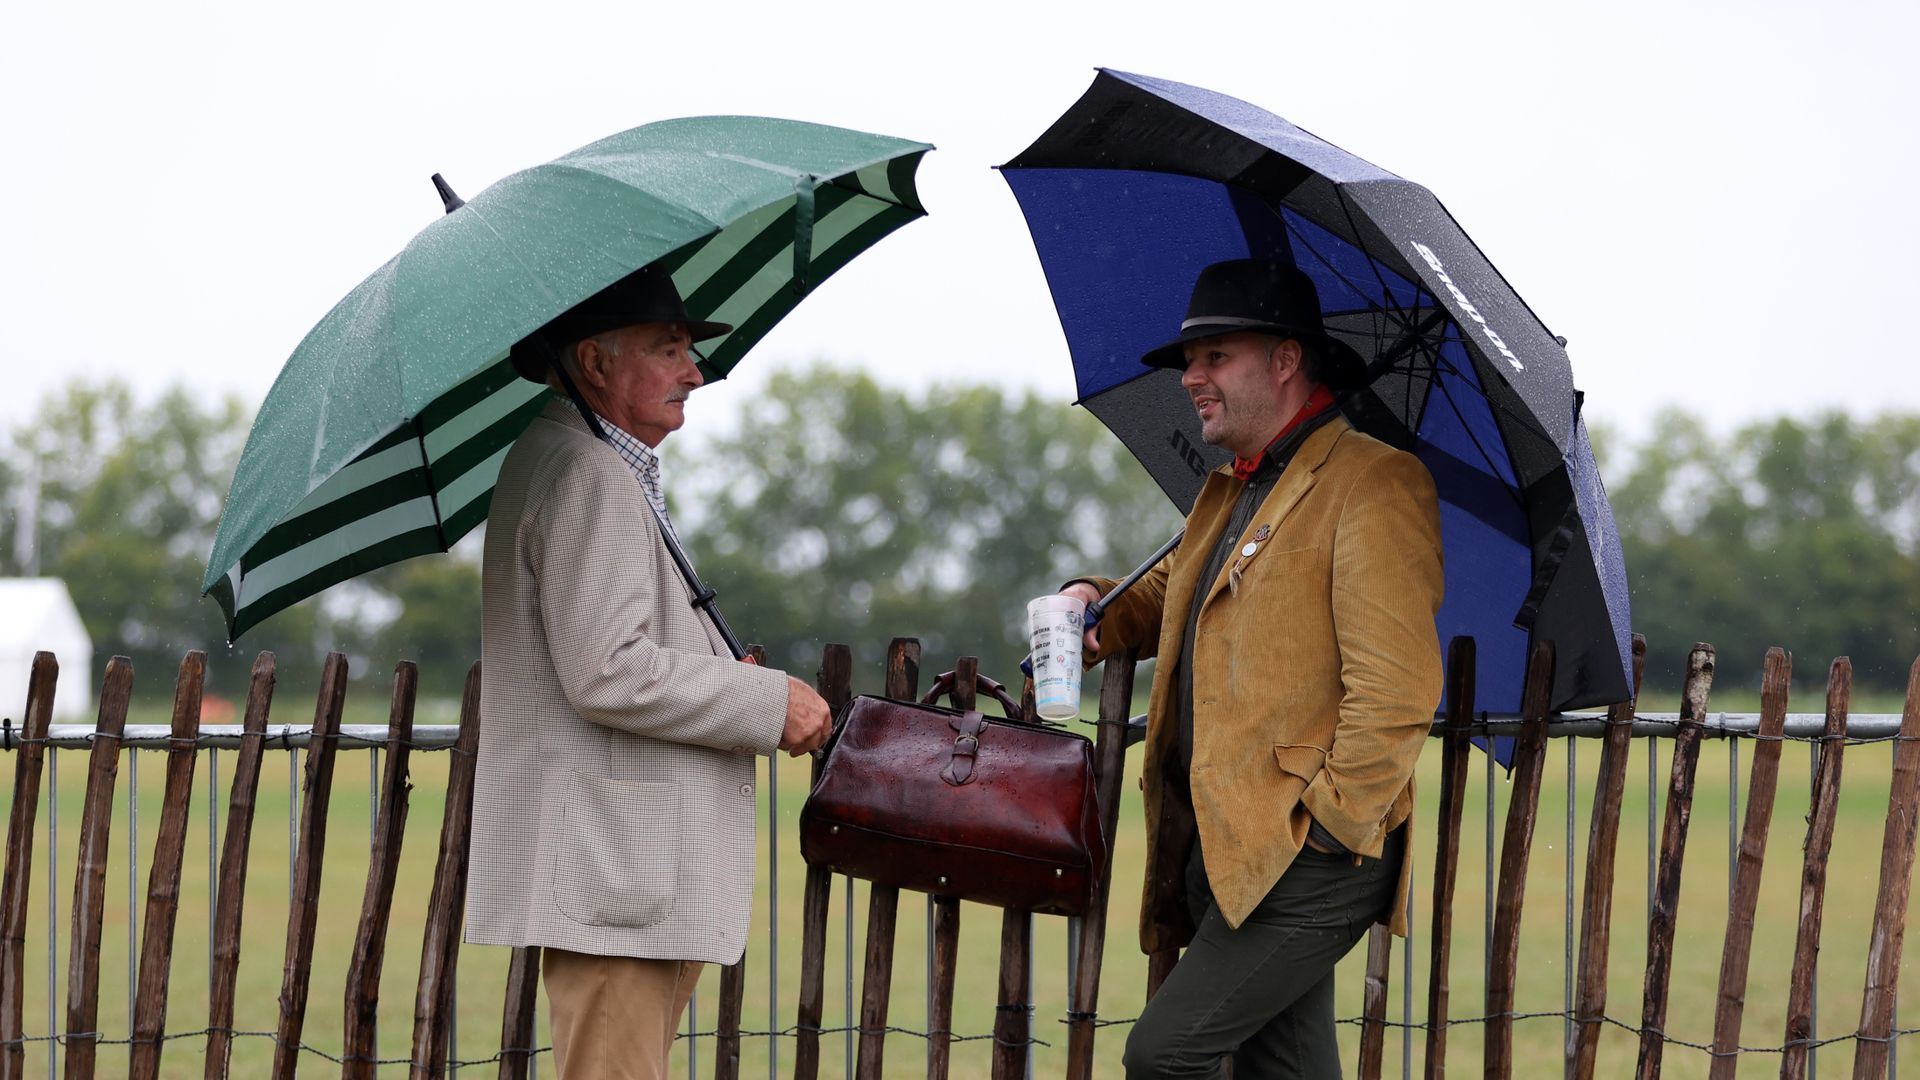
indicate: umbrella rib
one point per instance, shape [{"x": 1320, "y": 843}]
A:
[
  {"x": 1419, "y": 343},
  {"x": 433, "y": 489},
  {"x": 1405, "y": 320},
  {"x": 1392, "y": 313},
  {"x": 1447, "y": 393},
  {"x": 1346, "y": 210}
]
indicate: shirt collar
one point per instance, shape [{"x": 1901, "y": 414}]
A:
[{"x": 638, "y": 455}]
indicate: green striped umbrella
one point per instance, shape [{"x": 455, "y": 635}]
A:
[{"x": 383, "y": 435}]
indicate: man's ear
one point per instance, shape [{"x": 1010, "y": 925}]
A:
[
  {"x": 1286, "y": 360},
  {"x": 591, "y": 360}
]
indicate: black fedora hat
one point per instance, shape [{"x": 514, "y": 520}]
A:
[
  {"x": 1263, "y": 296},
  {"x": 644, "y": 296}
]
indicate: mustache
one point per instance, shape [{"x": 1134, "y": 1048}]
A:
[{"x": 678, "y": 394}]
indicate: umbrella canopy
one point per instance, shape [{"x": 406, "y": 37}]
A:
[
  {"x": 1143, "y": 182},
  {"x": 383, "y": 435}
]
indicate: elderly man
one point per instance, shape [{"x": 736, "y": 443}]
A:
[
  {"x": 1299, "y": 673},
  {"x": 613, "y": 820}
]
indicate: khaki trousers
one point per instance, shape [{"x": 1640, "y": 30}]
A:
[{"x": 614, "y": 1016}]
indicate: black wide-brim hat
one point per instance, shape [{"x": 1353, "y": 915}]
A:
[
  {"x": 645, "y": 296},
  {"x": 1262, "y": 296}
]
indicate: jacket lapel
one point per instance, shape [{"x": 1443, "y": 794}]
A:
[
  {"x": 562, "y": 412},
  {"x": 1294, "y": 484}
]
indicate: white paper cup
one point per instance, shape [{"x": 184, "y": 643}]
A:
[{"x": 1056, "y": 623}]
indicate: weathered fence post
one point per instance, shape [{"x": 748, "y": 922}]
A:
[
  {"x": 233, "y": 867},
  {"x": 1596, "y": 908},
  {"x": 1890, "y": 903},
  {"x": 316, "y": 795},
  {"x": 1373, "y": 1002},
  {"x": 883, "y": 902},
  {"x": 945, "y": 932},
  {"x": 1761, "y": 787},
  {"x": 944, "y": 926},
  {"x": 1529, "y": 763},
  {"x": 41, "y": 682},
  {"x": 362, "y": 1009},
  {"x": 90, "y": 869},
  {"x": 1813, "y": 872},
  {"x": 1673, "y": 849},
  {"x": 163, "y": 881},
  {"x": 835, "y": 682},
  {"x": 1159, "y": 966},
  {"x": 446, "y": 904},
  {"x": 516, "y": 1021},
  {"x": 1454, "y": 754},
  {"x": 1013, "y": 1021},
  {"x": 1109, "y": 763},
  {"x": 733, "y": 979}
]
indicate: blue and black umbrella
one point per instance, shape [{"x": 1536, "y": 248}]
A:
[{"x": 1143, "y": 182}]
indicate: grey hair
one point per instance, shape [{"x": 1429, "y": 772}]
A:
[{"x": 569, "y": 357}]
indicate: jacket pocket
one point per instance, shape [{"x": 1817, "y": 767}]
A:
[
  {"x": 1299, "y": 760},
  {"x": 617, "y": 857}
]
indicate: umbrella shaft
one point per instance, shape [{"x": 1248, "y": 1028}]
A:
[{"x": 1099, "y": 607}]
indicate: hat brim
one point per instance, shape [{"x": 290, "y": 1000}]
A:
[
  {"x": 1346, "y": 368},
  {"x": 530, "y": 359},
  {"x": 1174, "y": 353}
]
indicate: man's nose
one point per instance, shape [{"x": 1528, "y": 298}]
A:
[
  {"x": 691, "y": 378},
  {"x": 1191, "y": 377}
]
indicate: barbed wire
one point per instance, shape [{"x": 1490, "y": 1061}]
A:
[
  {"x": 796, "y": 1030},
  {"x": 1670, "y": 1040}
]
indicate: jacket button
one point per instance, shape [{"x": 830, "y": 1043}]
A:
[{"x": 746, "y": 789}]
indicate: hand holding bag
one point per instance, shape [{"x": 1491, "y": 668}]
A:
[{"x": 994, "y": 810}]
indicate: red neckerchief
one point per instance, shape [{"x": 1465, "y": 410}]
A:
[{"x": 1317, "y": 402}]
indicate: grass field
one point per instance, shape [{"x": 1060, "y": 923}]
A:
[{"x": 1852, "y": 881}]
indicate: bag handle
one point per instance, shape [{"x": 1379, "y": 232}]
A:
[{"x": 943, "y": 687}]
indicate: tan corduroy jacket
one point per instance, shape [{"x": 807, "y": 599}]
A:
[{"x": 1316, "y": 673}]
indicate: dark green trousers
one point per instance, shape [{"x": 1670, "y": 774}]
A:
[{"x": 1263, "y": 994}]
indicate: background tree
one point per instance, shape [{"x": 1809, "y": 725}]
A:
[
  {"x": 839, "y": 509},
  {"x": 844, "y": 510},
  {"x": 429, "y": 613},
  {"x": 1803, "y": 533},
  {"x": 127, "y": 496}
]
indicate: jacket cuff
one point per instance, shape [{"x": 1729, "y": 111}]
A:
[{"x": 767, "y": 718}]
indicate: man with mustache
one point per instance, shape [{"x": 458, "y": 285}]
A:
[
  {"x": 1299, "y": 673},
  {"x": 613, "y": 818}
]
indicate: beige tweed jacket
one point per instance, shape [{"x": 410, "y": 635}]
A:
[{"x": 613, "y": 808}]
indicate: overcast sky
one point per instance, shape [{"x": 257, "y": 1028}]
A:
[{"x": 1715, "y": 203}]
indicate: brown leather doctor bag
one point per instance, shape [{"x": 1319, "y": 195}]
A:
[{"x": 935, "y": 800}]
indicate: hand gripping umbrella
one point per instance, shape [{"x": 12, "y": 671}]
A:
[
  {"x": 1143, "y": 182},
  {"x": 383, "y": 435}
]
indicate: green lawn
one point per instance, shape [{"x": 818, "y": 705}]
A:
[{"x": 1852, "y": 881}]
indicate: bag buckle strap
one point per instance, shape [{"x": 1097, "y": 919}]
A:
[{"x": 966, "y": 746}]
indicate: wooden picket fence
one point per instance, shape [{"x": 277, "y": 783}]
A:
[{"x": 430, "y": 1052}]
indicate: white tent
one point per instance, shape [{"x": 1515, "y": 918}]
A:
[{"x": 37, "y": 614}]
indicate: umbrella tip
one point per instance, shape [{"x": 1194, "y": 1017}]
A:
[{"x": 447, "y": 197}]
